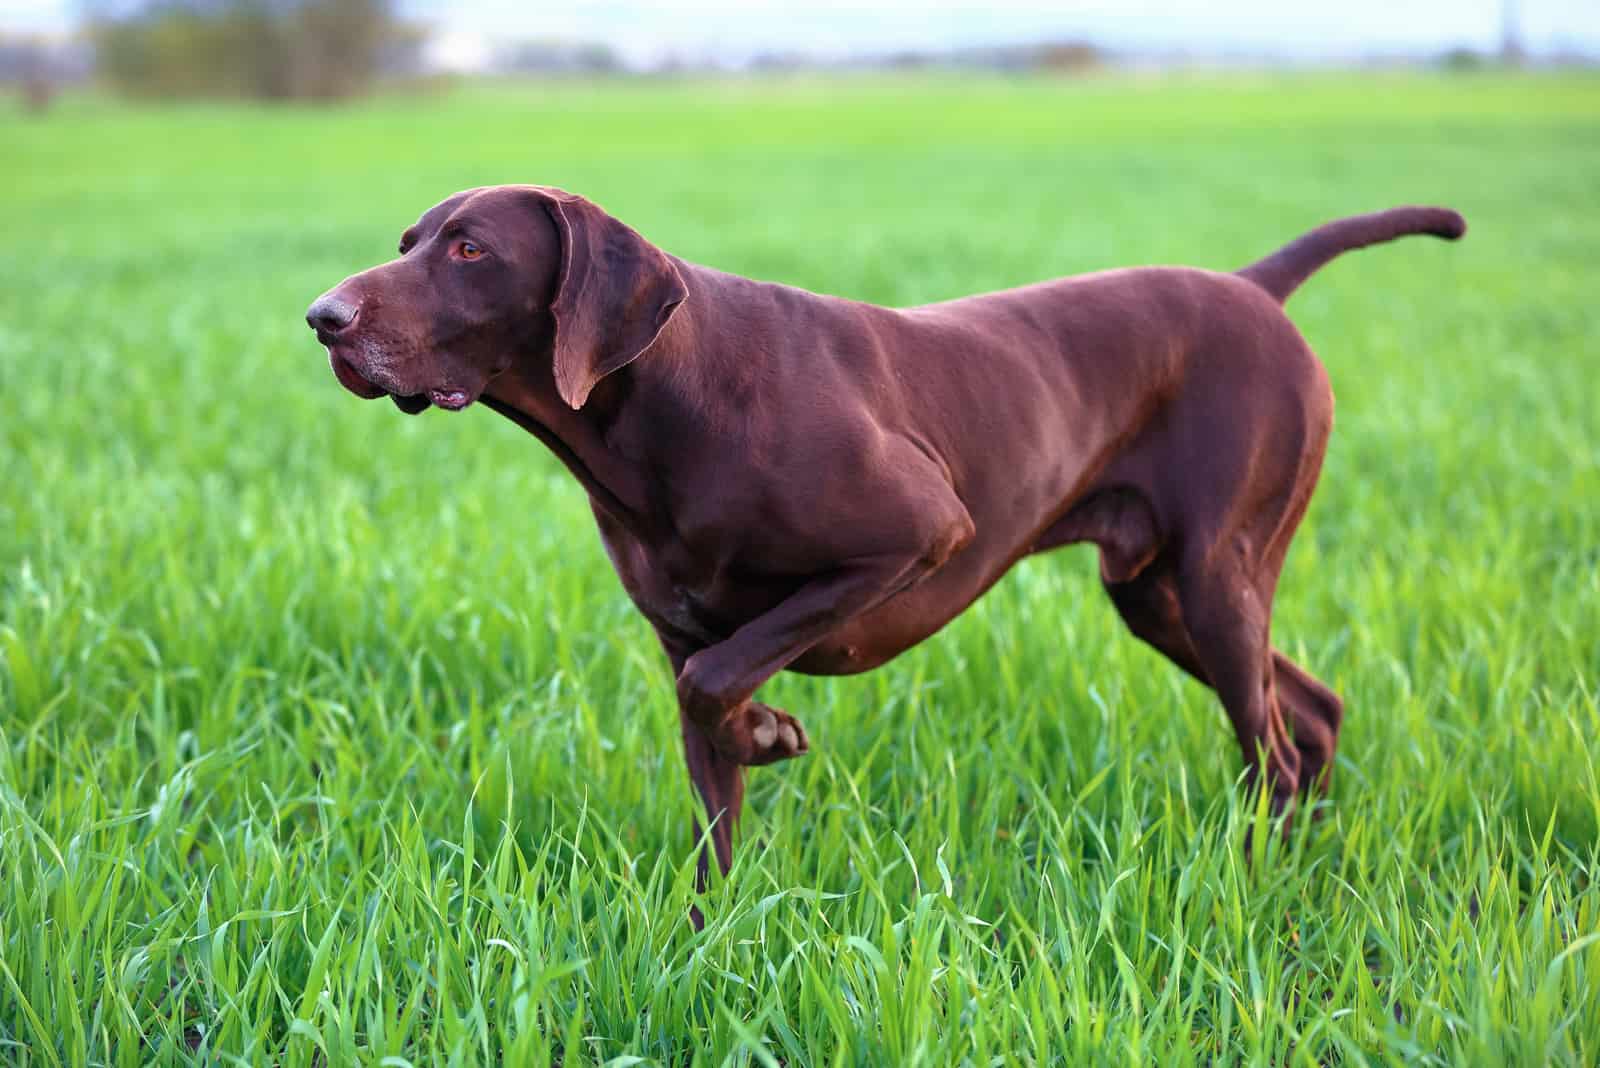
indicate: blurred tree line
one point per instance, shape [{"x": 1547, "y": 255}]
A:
[
  {"x": 266, "y": 49},
  {"x": 35, "y": 66}
]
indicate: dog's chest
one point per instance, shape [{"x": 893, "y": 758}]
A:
[{"x": 666, "y": 587}]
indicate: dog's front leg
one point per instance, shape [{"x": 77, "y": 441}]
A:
[
  {"x": 718, "y": 781},
  {"x": 913, "y": 529},
  {"x": 724, "y": 730}
]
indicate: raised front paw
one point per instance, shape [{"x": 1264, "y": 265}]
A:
[{"x": 760, "y": 734}]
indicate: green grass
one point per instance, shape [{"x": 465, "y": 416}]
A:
[{"x": 330, "y": 737}]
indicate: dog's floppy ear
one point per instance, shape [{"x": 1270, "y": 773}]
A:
[{"x": 614, "y": 293}]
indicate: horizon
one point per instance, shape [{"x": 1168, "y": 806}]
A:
[{"x": 734, "y": 31}]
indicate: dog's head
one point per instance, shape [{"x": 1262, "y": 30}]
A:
[{"x": 491, "y": 276}]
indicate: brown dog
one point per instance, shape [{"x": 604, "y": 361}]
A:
[{"x": 787, "y": 480}]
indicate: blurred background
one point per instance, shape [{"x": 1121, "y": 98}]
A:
[{"x": 333, "y": 49}]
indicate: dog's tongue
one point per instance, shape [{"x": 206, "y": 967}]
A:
[{"x": 449, "y": 399}]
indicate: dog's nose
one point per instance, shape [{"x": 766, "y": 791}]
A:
[{"x": 330, "y": 315}]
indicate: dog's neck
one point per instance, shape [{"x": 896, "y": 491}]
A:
[{"x": 526, "y": 394}]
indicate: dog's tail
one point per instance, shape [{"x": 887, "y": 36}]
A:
[{"x": 1282, "y": 272}]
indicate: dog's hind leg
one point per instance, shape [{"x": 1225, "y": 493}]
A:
[
  {"x": 1227, "y": 616},
  {"x": 1209, "y": 612},
  {"x": 1214, "y": 627},
  {"x": 1148, "y": 604},
  {"x": 1313, "y": 711},
  {"x": 1136, "y": 568},
  {"x": 1233, "y": 548}
]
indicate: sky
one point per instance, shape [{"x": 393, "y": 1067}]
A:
[{"x": 643, "y": 31}]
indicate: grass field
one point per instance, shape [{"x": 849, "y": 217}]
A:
[{"x": 330, "y": 737}]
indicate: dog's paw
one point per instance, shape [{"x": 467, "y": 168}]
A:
[{"x": 760, "y": 734}]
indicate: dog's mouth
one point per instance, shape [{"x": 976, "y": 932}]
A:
[
  {"x": 411, "y": 404},
  {"x": 451, "y": 400},
  {"x": 352, "y": 379}
]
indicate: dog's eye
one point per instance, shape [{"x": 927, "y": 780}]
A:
[{"x": 468, "y": 251}]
